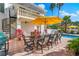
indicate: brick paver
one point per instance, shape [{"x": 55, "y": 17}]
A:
[
  {"x": 16, "y": 46},
  {"x": 57, "y": 50}
]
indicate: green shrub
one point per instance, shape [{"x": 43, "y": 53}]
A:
[
  {"x": 53, "y": 26},
  {"x": 74, "y": 45},
  {"x": 61, "y": 28}
]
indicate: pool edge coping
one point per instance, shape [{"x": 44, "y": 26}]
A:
[{"x": 71, "y": 34}]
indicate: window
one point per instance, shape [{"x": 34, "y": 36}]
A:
[{"x": 2, "y": 7}]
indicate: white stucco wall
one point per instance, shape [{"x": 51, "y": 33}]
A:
[{"x": 28, "y": 28}]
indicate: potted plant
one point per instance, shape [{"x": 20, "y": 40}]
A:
[{"x": 74, "y": 46}]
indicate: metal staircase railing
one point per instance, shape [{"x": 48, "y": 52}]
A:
[{"x": 5, "y": 25}]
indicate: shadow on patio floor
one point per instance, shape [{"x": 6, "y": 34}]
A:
[{"x": 58, "y": 53}]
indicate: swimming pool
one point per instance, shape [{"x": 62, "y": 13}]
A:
[{"x": 69, "y": 36}]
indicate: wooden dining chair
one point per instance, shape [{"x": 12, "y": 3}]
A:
[
  {"x": 50, "y": 40},
  {"x": 59, "y": 37},
  {"x": 28, "y": 42},
  {"x": 42, "y": 42},
  {"x": 56, "y": 38}
]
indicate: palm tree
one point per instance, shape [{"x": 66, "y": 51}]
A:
[
  {"x": 59, "y": 5},
  {"x": 67, "y": 20},
  {"x": 76, "y": 23},
  {"x": 52, "y": 6}
]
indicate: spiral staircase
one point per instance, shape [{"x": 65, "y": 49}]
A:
[{"x": 9, "y": 26}]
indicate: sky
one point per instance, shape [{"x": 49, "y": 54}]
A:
[{"x": 70, "y": 9}]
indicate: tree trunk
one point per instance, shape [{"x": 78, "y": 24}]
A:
[
  {"x": 52, "y": 12},
  {"x": 58, "y": 11},
  {"x": 65, "y": 27}
]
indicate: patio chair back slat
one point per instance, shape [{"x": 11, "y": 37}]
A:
[
  {"x": 29, "y": 42},
  {"x": 42, "y": 42},
  {"x": 59, "y": 36}
]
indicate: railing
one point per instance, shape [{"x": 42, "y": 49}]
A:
[
  {"x": 27, "y": 12},
  {"x": 33, "y": 7}
]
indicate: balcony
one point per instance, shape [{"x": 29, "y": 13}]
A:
[{"x": 27, "y": 13}]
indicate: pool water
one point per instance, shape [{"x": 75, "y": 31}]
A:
[{"x": 69, "y": 36}]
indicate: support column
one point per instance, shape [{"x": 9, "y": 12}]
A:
[{"x": 18, "y": 23}]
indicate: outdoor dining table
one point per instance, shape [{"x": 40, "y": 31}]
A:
[{"x": 34, "y": 40}]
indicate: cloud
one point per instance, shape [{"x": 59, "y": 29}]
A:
[
  {"x": 69, "y": 14},
  {"x": 64, "y": 13},
  {"x": 74, "y": 16},
  {"x": 43, "y": 7},
  {"x": 77, "y": 12}
]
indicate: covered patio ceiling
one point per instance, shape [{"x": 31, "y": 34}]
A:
[{"x": 24, "y": 20}]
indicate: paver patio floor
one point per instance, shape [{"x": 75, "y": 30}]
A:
[{"x": 57, "y": 50}]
